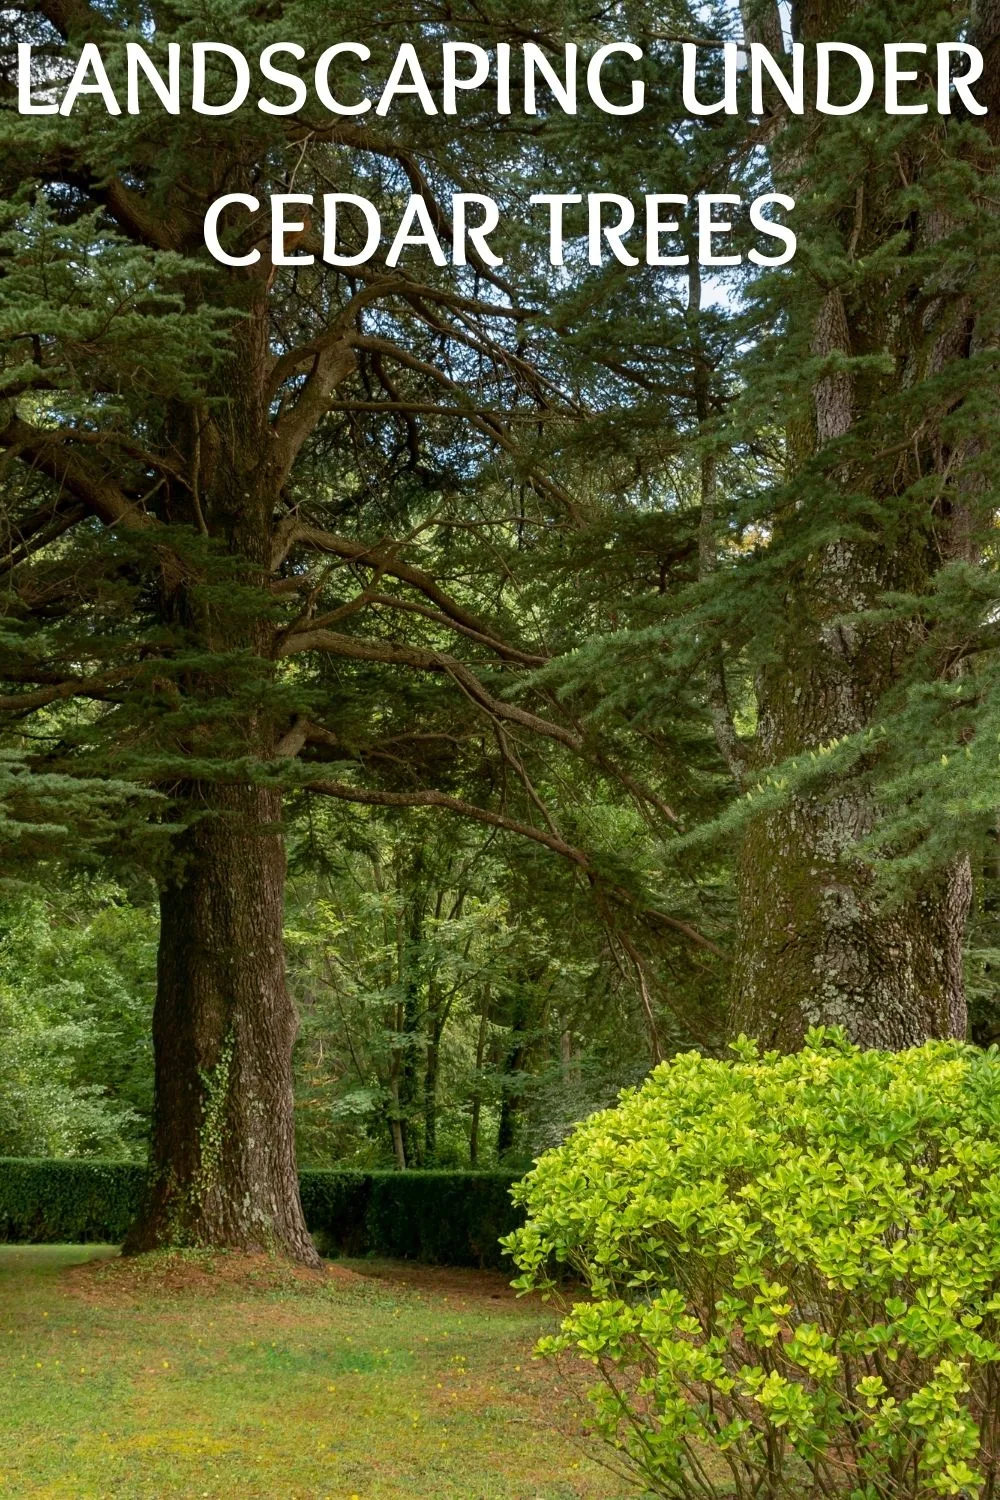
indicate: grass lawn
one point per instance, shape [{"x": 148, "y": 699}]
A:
[{"x": 212, "y": 1376}]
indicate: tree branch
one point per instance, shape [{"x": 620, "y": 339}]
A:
[
  {"x": 358, "y": 648},
  {"x": 426, "y": 797},
  {"x": 50, "y": 454},
  {"x": 331, "y": 365},
  {"x": 88, "y": 687},
  {"x": 508, "y": 653},
  {"x": 382, "y": 559}
]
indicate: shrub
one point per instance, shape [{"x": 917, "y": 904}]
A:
[
  {"x": 794, "y": 1269},
  {"x": 445, "y": 1218},
  {"x": 68, "y": 1202},
  {"x": 335, "y": 1204}
]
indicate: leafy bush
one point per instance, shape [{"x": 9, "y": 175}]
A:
[
  {"x": 335, "y": 1204},
  {"x": 794, "y": 1269},
  {"x": 445, "y": 1218}
]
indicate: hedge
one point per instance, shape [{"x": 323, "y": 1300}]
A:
[{"x": 442, "y": 1218}]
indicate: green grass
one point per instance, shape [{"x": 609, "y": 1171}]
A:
[{"x": 138, "y": 1381}]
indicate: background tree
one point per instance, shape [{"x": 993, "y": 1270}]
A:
[
  {"x": 450, "y": 1014},
  {"x": 77, "y": 973},
  {"x": 832, "y": 426}
]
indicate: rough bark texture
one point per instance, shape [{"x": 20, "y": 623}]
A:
[
  {"x": 816, "y": 943},
  {"x": 814, "y": 948},
  {"x": 223, "y": 1150}
]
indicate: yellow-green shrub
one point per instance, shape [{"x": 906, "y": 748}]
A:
[{"x": 794, "y": 1270}]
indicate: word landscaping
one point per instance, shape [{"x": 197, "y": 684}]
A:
[{"x": 609, "y": 218}]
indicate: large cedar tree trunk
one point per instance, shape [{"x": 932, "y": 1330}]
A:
[
  {"x": 817, "y": 944},
  {"x": 223, "y": 1167}
]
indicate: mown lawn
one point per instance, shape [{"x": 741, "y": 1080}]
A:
[{"x": 206, "y": 1376}]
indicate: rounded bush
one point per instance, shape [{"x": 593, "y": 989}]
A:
[{"x": 793, "y": 1270}]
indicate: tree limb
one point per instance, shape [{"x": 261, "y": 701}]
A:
[
  {"x": 50, "y": 454},
  {"x": 358, "y": 648},
  {"x": 382, "y": 558}
]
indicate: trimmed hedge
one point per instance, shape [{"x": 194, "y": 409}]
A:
[
  {"x": 443, "y": 1218},
  {"x": 68, "y": 1202}
]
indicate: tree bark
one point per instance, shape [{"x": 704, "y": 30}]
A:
[
  {"x": 223, "y": 1170},
  {"x": 817, "y": 943},
  {"x": 815, "y": 948},
  {"x": 431, "y": 1074},
  {"x": 412, "y": 1042},
  {"x": 477, "y": 1088}
]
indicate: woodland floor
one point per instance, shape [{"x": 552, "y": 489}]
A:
[{"x": 227, "y": 1376}]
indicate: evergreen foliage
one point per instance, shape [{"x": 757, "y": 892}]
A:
[{"x": 676, "y": 588}]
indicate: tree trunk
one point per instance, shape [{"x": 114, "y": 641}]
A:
[
  {"x": 410, "y": 1100},
  {"x": 510, "y": 1128},
  {"x": 477, "y": 1088},
  {"x": 223, "y": 1167},
  {"x": 817, "y": 944},
  {"x": 430, "y": 1096},
  {"x": 815, "y": 948}
]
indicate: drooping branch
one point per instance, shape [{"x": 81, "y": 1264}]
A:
[
  {"x": 382, "y": 558},
  {"x": 51, "y": 454},
  {"x": 427, "y": 797},
  {"x": 413, "y": 290},
  {"x": 507, "y": 653},
  {"x": 77, "y": 20},
  {"x": 358, "y": 648},
  {"x": 46, "y": 525},
  {"x": 97, "y": 688},
  {"x": 643, "y": 795},
  {"x": 490, "y": 427}
]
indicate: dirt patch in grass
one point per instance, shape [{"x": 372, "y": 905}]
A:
[
  {"x": 452, "y": 1284},
  {"x": 198, "y": 1273}
]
